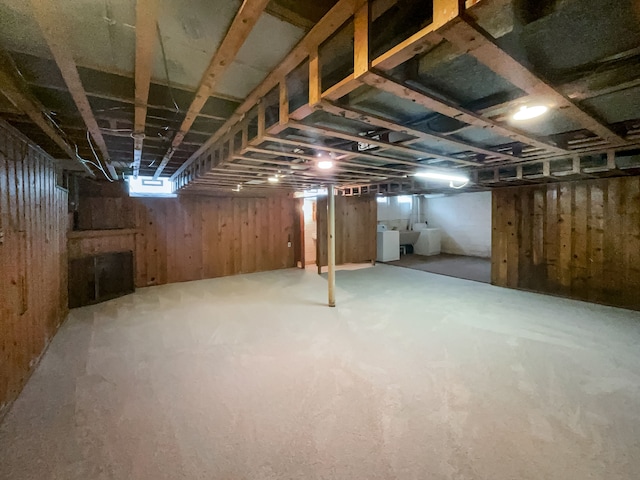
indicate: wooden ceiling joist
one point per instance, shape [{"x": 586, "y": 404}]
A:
[
  {"x": 470, "y": 38},
  {"x": 377, "y": 121},
  {"x": 421, "y": 153},
  {"x": 25, "y": 103},
  {"x": 55, "y": 32},
  {"x": 369, "y": 156},
  {"x": 340, "y": 165},
  {"x": 251, "y": 170},
  {"x": 346, "y": 160},
  {"x": 146, "y": 39},
  {"x": 335, "y": 18},
  {"x": 238, "y": 32},
  {"x": 449, "y": 109},
  {"x": 443, "y": 12}
]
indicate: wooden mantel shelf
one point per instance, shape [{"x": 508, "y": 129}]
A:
[{"x": 79, "y": 234}]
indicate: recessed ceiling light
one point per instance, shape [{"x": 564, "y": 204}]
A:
[
  {"x": 527, "y": 113},
  {"x": 273, "y": 179},
  {"x": 325, "y": 164}
]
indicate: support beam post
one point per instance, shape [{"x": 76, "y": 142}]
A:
[
  {"x": 331, "y": 243},
  {"x": 146, "y": 18}
]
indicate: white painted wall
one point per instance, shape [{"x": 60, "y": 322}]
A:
[
  {"x": 465, "y": 220},
  {"x": 396, "y": 215}
]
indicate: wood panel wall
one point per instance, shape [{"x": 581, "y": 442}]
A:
[
  {"x": 191, "y": 237},
  {"x": 356, "y": 224},
  {"x": 93, "y": 242},
  {"x": 33, "y": 265},
  {"x": 579, "y": 240},
  {"x": 197, "y": 237}
]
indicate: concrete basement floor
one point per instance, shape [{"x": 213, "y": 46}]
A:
[{"x": 412, "y": 376}]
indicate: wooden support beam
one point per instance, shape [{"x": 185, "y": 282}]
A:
[
  {"x": 283, "y": 117},
  {"x": 361, "y": 61},
  {"x": 55, "y": 31},
  {"x": 315, "y": 78},
  {"x": 262, "y": 120},
  {"x": 125, "y": 99},
  {"x": 443, "y": 12},
  {"x": 340, "y": 89},
  {"x": 449, "y": 109},
  {"x": 438, "y": 139},
  {"x": 335, "y": 18},
  {"x": 350, "y": 153},
  {"x": 337, "y": 172},
  {"x": 473, "y": 40},
  {"x": 146, "y": 20},
  {"x": 240, "y": 28},
  {"x": 329, "y": 132},
  {"x": 25, "y": 103},
  {"x": 331, "y": 240},
  {"x": 340, "y": 165},
  {"x": 344, "y": 160}
]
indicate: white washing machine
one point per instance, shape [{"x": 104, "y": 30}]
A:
[
  {"x": 388, "y": 244},
  {"x": 428, "y": 242}
]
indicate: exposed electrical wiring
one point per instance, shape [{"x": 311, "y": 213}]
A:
[
  {"x": 166, "y": 68},
  {"x": 451, "y": 185},
  {"x": 99, "y": 165}
]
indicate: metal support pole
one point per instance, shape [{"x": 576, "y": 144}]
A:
[{"x": 331, "y": 241}]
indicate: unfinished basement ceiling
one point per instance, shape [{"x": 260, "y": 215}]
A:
[{"x": 440, "y": 99}]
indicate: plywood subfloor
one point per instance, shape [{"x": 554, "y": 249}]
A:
[
  {"x": 459, "y": 266},
  {"x": 412, "y": 376}
]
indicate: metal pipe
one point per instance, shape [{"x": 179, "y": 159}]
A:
[{"x": 331, "y": 241}]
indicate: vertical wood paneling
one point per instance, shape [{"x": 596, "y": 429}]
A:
[
  {"x": 356, "y": 223},
  {"x": 580, "y": 240},
  {"x": 578, "y": 265},
  {"x": 86, "y": 244},
  {"x": 565, "y": 217},
  {"x": 33, "y": 280},
  {"x": 595, "y": 241},
  {"x": 632, "y": 236},
  {"x": 191, "y": 238}
]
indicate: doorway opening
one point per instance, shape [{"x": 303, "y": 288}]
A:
[
  {"x": 309, "y": 208},
  {"x": 443, "y": 234}
]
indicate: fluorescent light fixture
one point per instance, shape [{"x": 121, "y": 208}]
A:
[
  {"x": 445, "y": 177},
  {"x": 273, "y": 179},
  {"x": 325, "y": 164},
  {"x": 527, "y": 113},
  {"x": 313, "y": 193},
  {"x": 149, "y": 187}
]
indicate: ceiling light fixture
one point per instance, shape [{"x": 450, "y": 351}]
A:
[
  {"x": 325, "y": 164},
  {"x": 527, "y": 113},
  {"x": 445, "y": 177},
  {"x": 273, "y": 179}
]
